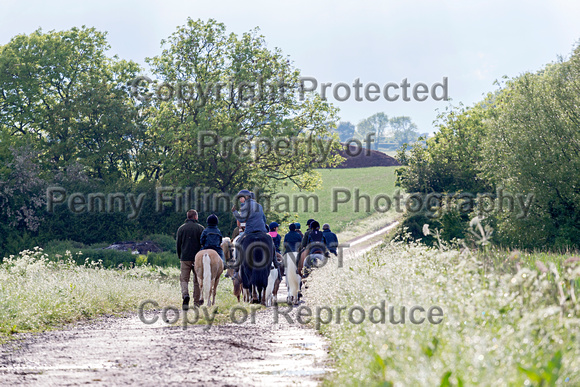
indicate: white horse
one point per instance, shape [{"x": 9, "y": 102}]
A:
[
  {"x": 292, "y": 278},
  {"x": 273, "y": 284},
  {"x": 272, "y": 278}
]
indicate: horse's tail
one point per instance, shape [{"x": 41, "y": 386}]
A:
[{"x": 206, "y": 276}]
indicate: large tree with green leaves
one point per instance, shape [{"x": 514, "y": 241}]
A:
[
  {"x": 202, "y": 58},
  {"x": 533, "y": 147},
  {"x": 61, "y": 93}
]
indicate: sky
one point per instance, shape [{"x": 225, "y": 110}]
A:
[{"x": 471, "y": 43}]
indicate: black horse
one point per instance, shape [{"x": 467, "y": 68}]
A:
[{"x": 257, "y": 252}]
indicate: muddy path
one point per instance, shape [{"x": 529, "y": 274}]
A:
[{"x": 125, "y": 351}]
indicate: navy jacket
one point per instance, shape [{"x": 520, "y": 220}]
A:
[
  {"x": 331, "y": 240},
  {"x": 292, "y": 241},
  {"x": 211, "y": 238},
  {"x": 316, "y": 236},
  {"x": 277, "y": 239}
]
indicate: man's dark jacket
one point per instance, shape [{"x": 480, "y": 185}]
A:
[{"x": 188, "y": 240}]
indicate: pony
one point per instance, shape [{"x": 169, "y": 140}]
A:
[
  {"x": 274, "y": 282},
  {"x": 208, "y": 267},
  {"x": 230, "y": 256},
  {"x": 292, "y": 277}
]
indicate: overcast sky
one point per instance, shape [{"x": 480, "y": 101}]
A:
[{"x": 472, "y": 43}]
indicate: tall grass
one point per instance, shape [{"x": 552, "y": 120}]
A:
[
  {"x": 37, "y": 293},
  {"x": 498, "y": 328}
]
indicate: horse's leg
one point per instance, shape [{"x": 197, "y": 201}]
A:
[
  {"x": 301, "y": 261},
  {"x": 255, "y": 295},
  {"x": 237, "y": 289},
  {"x": 275, "y": 291}
]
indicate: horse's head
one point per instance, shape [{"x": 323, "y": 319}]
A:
[
  {"x": 230, "y": 254},
  {"x": 226, "y": 243}
]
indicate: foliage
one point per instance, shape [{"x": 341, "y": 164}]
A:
[
  {"x": 533, "y": 147},
  {"x": 61, "y": 93},
  {"x": 69, "y": 119},
  {"x": 450, "y": 161},
  {"x": 201, "y": 53},
  {"x": 523, "y": 139},
  {"x": 345, "y": 130},
  {"x": 377, "y": 124},
  {"x": 510, "y": 328},
  {"x": 404, "y": 131},
  {"x": 166, "y": 242}
]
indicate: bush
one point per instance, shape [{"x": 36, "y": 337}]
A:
[
  {"x": 166, "y": 242},
  {"x": 164, "y": 259}
]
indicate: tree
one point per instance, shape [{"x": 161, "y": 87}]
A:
[
  {"x": 404, "y": 130},
  {"x": 60, "y": 92},
  {"x": 202, "y": 57},
  {"x": 377, "y": 123},
  {"x": 533, "y": 147},
  {"x": 345, "y": 130}
]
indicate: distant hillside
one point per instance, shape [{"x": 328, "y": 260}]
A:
[{"x": 365, "y": 158}]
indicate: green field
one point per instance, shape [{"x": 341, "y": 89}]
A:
[{"x": 372, "y": 181}]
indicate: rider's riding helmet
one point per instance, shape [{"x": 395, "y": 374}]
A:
[
  {"x": 297, "y": 226},
  {"x": 292, "y": 227},
  {"x": 273, "y": 225},
  {"x": 244, "y": 193},
  {"x": 212, "y": 220},
  {"x": 309, "y": 221}
]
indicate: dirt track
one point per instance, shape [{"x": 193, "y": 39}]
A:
[{"x": 125, "y": 351}]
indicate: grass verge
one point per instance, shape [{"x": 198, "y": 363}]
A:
[
  {"x": 497, "y": 328},
  {"x": 39, "y": 293}
]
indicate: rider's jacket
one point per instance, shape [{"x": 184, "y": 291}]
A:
[
  {"x": 211, "y": 238},
  {"x": 316, "y": 242},
  {"x": 331, "y": 240},
  {"x": 292, "y": 241},
  {"x": 252, "y": 214}
]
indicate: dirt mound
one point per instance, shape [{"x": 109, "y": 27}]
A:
[
  {"x": 136, "y": 247},
  {"x": 362, "y": 158}
]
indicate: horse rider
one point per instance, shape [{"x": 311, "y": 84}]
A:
[
  {"x": 252, "y": 214},
  {"x": 330, "y": 237}
]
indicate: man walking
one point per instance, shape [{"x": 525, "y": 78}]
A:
[{"x": 188, "y": 244}]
